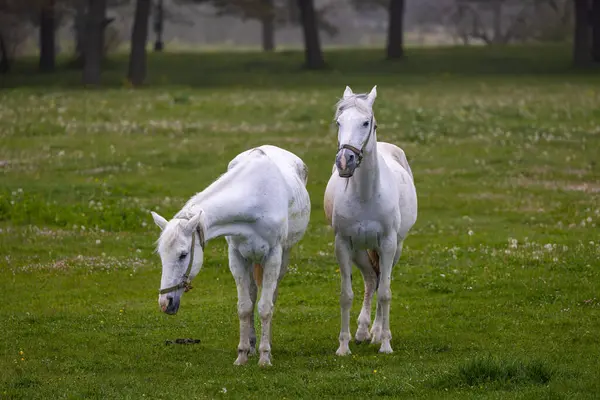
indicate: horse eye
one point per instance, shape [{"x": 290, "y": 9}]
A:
[
  {"x": 366, "y": 124},
  {"x": 182, "y": 256}
]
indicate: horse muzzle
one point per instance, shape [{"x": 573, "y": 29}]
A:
[
  {"x": 346, "y": 163},
  {"x": 169, "y": 303}
]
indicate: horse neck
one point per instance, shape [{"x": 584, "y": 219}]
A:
[
  {"x": 365, "y": 180},
  {"x": 221, "y": 206}
]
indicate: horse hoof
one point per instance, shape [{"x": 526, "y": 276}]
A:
[
  {"x": 240, "y": 361},
  {"x": 386, "y": 348},
  {"x": 343, "y": 351},
  {"x": 264, "y": 362},
  {"x": 362, "y": 337}
]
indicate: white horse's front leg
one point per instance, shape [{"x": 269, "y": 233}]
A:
[
  {"x": 240, "y": 270},
  {"x": 342, "y": 252},
  {"x": 271, "y": 270},
  {"x": 376, "y": 328},
  {"x": 370, "y": 279},
  {"x": 384, "y": 293}
]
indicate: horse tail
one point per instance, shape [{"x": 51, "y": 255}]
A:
[
  {"x": 374, "y": 259},
  {"x": 258, "y": 274}
]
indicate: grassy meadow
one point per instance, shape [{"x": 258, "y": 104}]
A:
[{"x": 497, "y": 294}]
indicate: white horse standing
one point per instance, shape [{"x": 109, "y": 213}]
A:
[
  {"x": 262, "y": 207},
  {"x": 371, "y": 203}
]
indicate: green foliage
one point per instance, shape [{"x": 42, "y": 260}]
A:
[{"x": 496, "y": 293}]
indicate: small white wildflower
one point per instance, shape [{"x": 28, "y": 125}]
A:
[
  {"x": 98, "y": 241},
  {"x": 443, "y": 275},
  {"x": 224, "y": 390},
  {"x": 470, "y": 233}
]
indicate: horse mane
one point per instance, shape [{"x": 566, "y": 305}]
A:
[
  {"x": 167, "y": 237},
  {"x": 358, "y": 101}
]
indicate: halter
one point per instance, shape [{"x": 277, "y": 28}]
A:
[
  {"x": 186, "y": 283},
  {"x": 359, "y": 152}
]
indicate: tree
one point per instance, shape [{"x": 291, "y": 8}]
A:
[
  {"x": 581, "y": 37},
  {"x": 47, "y": 36},
  {"x": 139, "y": 37},
  {"x": 4, "y": 59},
  {"x": 159, "y": 20},
  {"x": 94, "y": 42},
  {"x": 395, "y": 42},
  {"x": 595, "y": 16},
  {"x": 312, "y": 46},
  {"x": 267, "y": 24}
]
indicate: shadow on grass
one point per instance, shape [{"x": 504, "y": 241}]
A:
[{"x": 284, "y": 69}]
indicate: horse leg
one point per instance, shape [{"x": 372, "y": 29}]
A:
[
  {"x": 342, "y": 252},
  {"x": 376, "y": 328},
  {"x": 285, "y": 261},
  {"x": 240, "y": 270},
  {"x": 363, "y": 263},
  {"x": 387, "y": 254},
  {"x": 271, "y": 272},
  {"x": 253, "y": 295}
]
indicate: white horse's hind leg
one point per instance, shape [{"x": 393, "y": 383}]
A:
[
  {"x": 370, "y": 279},
  {"x": 285, "y": 260},
  {"x": 253, "y": 294},
  {"x": 243, "y": 281},
  {"x": 342, "y": 252},
  {"x": 272, "y": 267},
  {"x": 384, "y": 293}
]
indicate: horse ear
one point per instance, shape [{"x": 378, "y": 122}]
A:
[
  {"x": 158, "y": 220},
  {"x": 193, "y": 222},
  {"x": 348, "y": 92},
  {"x": 372, "y": 95}
]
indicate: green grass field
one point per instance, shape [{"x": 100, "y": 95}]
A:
[{"x": 496, "y": 294}]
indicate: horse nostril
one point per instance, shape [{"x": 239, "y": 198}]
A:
[
  {"x": 170, "y": 302},
  {"x": 350, "y": 157}
]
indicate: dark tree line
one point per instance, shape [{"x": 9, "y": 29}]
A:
[{"x": 90, "y": 22}]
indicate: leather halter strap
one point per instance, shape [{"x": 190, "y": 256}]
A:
[
  {"x": 186, "y": 283},
  {"x": 356, "y": 151}
]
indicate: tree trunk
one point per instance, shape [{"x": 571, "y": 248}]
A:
[
  {"x": 312, "y": 46},
  {"x": 94, "y": 42},
  {"x": 139, "y": 36},
  {"x": 268, "y": 26},
  {"x": 4, "y": 61},
  {"x": 497, "y": 18},
  {"x": 47, "y": 42},
  {"x": 159, "y": 20},
  {"x": 581, "y": 37},
  {"x": 395, "y": 40},
  {"x": 596, "y": 30},
  {"x": 79, "y": 26}
]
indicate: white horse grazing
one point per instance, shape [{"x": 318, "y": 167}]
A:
[
  {"x": 262, "y": 208},
  {"x": 371, "y": 203}
]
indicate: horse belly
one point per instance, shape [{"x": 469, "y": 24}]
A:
[
  {"x": 254, "y": 249},
  {"x": 364, "y": 235}
]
